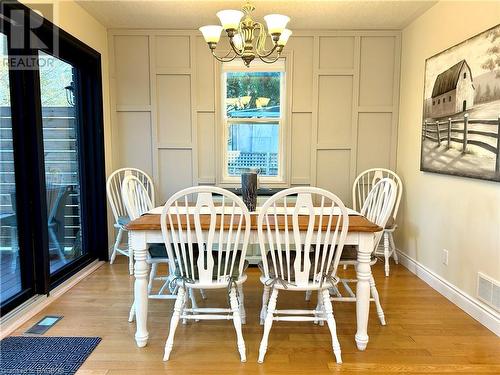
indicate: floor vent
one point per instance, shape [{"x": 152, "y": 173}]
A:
[{"x": 488, "y": 290}]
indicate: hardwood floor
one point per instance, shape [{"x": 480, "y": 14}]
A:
[{"x": 425, "y": 333}]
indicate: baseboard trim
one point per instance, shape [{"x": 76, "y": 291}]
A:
[
  {"x": 30, "y": 308},
  {"x": 476, "y": 309}
]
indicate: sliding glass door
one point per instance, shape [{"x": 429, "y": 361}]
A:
[
  {"x": 62, "y": 160},
  {"x": 52, "y": 181},
  {"x": 10, "y": 270}
]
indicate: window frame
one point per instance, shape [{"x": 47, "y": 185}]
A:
[{"x": 222, "y": 176}]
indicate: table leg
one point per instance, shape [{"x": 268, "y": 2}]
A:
[
  {"x": 363, "y": 273},
  {"x": 137, "y": 242}
]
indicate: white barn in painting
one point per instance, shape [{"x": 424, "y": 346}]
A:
[{"x": 453, "y": 91}]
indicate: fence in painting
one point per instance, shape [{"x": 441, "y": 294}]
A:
[
  {"x": 266, "y": 162},
  {"x": 459, "y": 131}
]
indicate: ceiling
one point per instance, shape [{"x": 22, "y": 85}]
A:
[{"x": 304, "y": 14}]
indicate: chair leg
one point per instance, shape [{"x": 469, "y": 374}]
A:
[
  {"x": 331, "y": 324},
  {"x": 387, "y": 253},
  {"x": 203, "y": 294},
  {"x": 268, "y": 324},
  {"x": 179, "y": 304},
  {"x": 393, "y": 247},
  {"x": 235, "y": 308},
  {"x": 152, "y": 275},
  {"x": 376, "y": 298},
  {"x": 131, "y": 314},
  {"x": 265, "y": 298},
  {"x": 308, "y": 295},
  {"x": 317, "y": 308},
  {"x": 241, "y": 300},
  {"x": 118, "y": 240},
  {"x": 186, "y": 299},
  {"x": 54, "y": 239}
]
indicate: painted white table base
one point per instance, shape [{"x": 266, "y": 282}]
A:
[{"x": 139, "y": 240}]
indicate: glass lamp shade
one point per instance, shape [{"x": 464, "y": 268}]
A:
[
  {"x": 230, "y": 19},
  {"x": 211, "y": 33},
  {"x": 238, "y": 41},
  {"x": 284, "y": 37},
  {"x": 276, "y": 23}
]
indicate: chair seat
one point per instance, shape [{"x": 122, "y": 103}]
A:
[
  {"x": 293, "y": 254},
  {"x": 215, "y": 254},
  {"x": 214, "y": 285},
  {"x": 123, "y": 220},
  {"x": 270, "y": 281},
  {"x": 158, "y": 250}
]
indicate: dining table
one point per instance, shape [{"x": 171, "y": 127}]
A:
[{"x": 146, "y": 230}]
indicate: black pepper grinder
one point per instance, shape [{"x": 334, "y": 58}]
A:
[{"x": 249, "y": 189}]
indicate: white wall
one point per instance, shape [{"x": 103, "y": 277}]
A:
[
  {"x": 444, "y": 212},
  {"x": 341, "y": 119}
]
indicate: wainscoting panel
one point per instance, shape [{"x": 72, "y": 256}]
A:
[
  {"x": 301, "y": 148},
  {"x": 335, "y": 110},
  {"x": 131, "y": 57},
  {"x": 174, "y": 109},
  {"x": 377, "y": 71},
  {"x": 341, "y": 115},
  {"x": 176, "y": 172},
  {"x": 302, "y": 96},
  {"x": 164, "y": 56},
  {"x": 374, "y": 141},
  {"x": 206, "y": 148},
  {"x": 336, "y": 52},
  {"x": 135, "y": 137},
  {"x": 334, "y": 173}
]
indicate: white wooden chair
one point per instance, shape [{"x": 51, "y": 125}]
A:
[
  {"x": 210, "y": 257},
  {"x": 137, "y": 201},
  {"x": 301, "y": 259},
  {"x": 377, "y": 208},
  {"x": 113, "y": 190},
  {"x": 360, "y": 189}
]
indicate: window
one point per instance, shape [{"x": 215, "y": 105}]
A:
[
  {"x": 433, "y": 102},
  {"x": 253, "y": 102},
  {"x": 439, "y": 101},
  {"x": 444, "y": 99},
  {"x": 465, "y": 75},
  {"x": 449, "y": 98}
]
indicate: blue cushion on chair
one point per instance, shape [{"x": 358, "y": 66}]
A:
[{"x": 123, "y": 220}]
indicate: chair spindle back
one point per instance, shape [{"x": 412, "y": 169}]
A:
[
  {"x": 302, "y": 252},
  {"x": 365, "y": 182},
  {"x": 196, "y": 229}
]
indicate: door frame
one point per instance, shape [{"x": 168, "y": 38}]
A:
[{"x": 27, "y": 132}]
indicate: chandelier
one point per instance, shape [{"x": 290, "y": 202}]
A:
[{"x": 247, "y": 37}]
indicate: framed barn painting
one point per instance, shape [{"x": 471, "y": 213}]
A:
[{"x": 461, "y": 115}]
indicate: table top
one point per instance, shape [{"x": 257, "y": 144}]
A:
[{"x": 152, "y": 222}]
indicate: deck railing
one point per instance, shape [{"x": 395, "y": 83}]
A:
[{"x": 61, "y": 165}]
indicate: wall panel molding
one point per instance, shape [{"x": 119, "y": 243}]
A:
[{"x": 336, "y": 79}]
